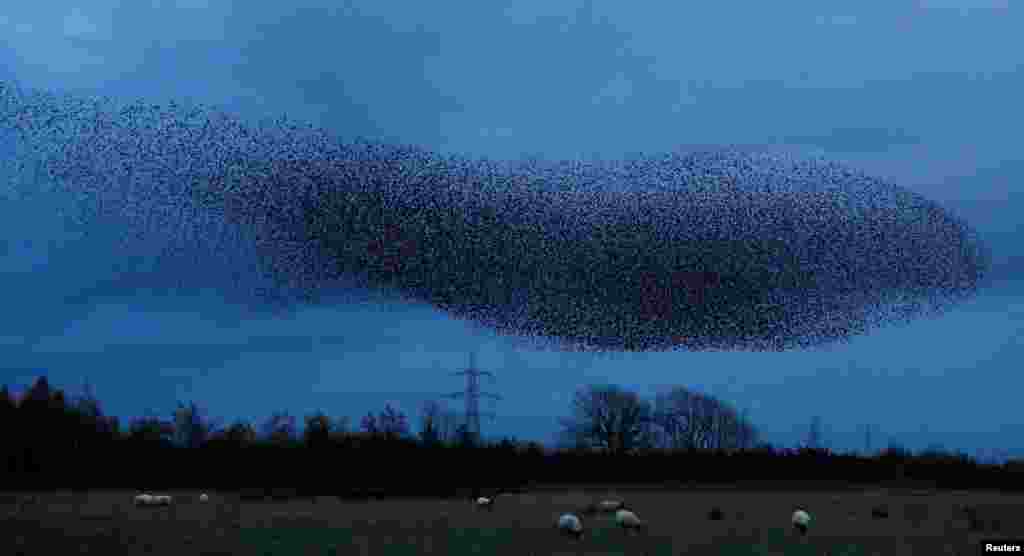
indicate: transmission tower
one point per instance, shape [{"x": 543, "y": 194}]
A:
[
  {"x": 472, "y": 395},
  {"x": 867, "y": 440}
]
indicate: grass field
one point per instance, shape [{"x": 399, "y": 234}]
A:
[{"x": 756, "y": 523}]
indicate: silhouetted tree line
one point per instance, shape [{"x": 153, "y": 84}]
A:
[{"x": 611, "y": 436}]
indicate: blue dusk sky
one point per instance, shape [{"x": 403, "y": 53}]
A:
[{"x": 923, "y": 93}]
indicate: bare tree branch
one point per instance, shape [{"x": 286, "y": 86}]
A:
[{"x": 607, "y": 417}]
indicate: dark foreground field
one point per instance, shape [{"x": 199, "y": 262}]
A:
[{"x": 106, "y": 522}]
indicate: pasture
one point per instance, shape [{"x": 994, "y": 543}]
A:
[{"x": 753, "y": 523}]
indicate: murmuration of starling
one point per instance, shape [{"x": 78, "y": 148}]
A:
[{"x": 718, "y": 250}]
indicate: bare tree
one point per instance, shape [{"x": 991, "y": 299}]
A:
[
  {"x": 685, "y": 418},
  {"x": 279, "y": 427},
  {"x": 690, "y": 420},
  {"x": 192, "y": 429},
  {"x": 239, "y": 433},
  {"x": 723, "y": 428},
  {"x": 814, "y": 434},
  {"x": 732, "y": 430},
  {"x": 430, "y": 422},
  {"x": 88, "y": 406},
  {"x": 448, "y": 425},
  {"x": 87, "y": 403},
  {"x": 320, "y": 428},
  {"x": 669, "y": 419},
  {"x": 340, "y": 426},
  {"x": 152, "y": 429},
  {"x": 464, "y": 436},
  {"x": 747, "y": 435},
  {"x": 608, "y": 417},
  {"x": 369, "y": 424},
  {"x": 393, "y": 423},
  {"x": 703, "y": 414},
  {"x": 867, "y": 439}
]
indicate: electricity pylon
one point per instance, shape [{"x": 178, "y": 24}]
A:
[{"x": 472, "y": 395}]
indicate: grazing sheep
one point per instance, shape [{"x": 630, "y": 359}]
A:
[
  {"x": 204, "y": 498},
  {"x": 145, "y": 499},
  {"x": 485, "y": 503},
  {"x": 571, "y": 525},
  {"x": 629, "y": 521},
  {"x": 801, "y": 521}
]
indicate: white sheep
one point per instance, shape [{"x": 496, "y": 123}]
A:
[
  {"x": 801, "y": 520},
  {"x": 629, "y": 521},
  {"x": 571, "y": 525},
  {"x": 146, "y": 499},
  {"x": 485, "y": 503},
  {"x": 204, "y": 498}
]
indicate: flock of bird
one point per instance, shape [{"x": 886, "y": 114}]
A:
[{"x": 715, "y": 250}]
